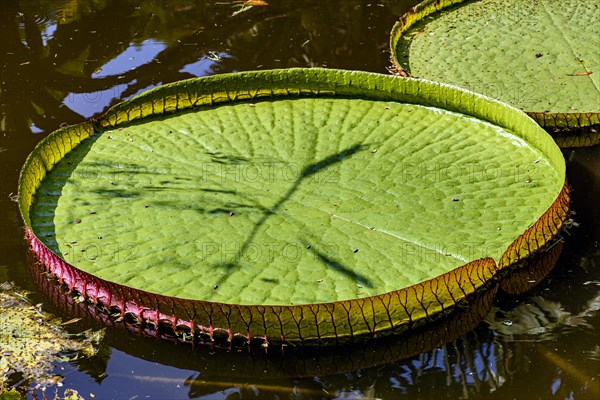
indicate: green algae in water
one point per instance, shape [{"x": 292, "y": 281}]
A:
[{"x": 33, "y": 341}]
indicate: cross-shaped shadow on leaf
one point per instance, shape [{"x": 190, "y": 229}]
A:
[{"x": 306, "y": 172}]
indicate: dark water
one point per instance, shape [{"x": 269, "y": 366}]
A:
[{"x": 62, "y": 62}]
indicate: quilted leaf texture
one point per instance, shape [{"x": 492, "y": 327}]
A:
[
  {"x": 541, "y": 56},
  {"x": 302, "y": 205}
]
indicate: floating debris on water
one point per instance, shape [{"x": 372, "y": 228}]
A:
[{"x": 23, "y": 353}]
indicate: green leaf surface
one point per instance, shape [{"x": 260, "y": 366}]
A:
[
  {"x": 301, "y": 205},
  {"x": 540, "y": 55},
  {"x": 294, "y": 201}
]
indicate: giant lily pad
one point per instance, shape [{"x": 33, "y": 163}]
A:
[
  {"x": 541, "y": 56},
  {"x": 293, "y": 205}
]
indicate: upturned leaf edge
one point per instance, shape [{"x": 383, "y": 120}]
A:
[{"x": 323, "y": 323}]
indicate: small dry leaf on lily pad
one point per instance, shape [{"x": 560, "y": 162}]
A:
[{"x": 581, "y": 73}]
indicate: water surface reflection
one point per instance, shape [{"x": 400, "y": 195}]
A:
[{"x": 64, "y": 61}]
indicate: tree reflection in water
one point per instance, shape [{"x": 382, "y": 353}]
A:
[
  {"x": 58, "y": 49},
  {"x": 64, "y": 61},
  {"x": 509, "y": 347}
]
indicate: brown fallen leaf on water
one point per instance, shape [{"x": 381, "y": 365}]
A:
[
  {"x": 581, "y": 73},
  {"x": 246, "y": 5},
  {"x": 252, "y": 2},
  {"x": 71, "y": 321},
  {"x": 182, "y": 8}
]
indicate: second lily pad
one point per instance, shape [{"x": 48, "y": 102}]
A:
[{"x": 541, "y": 56}]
